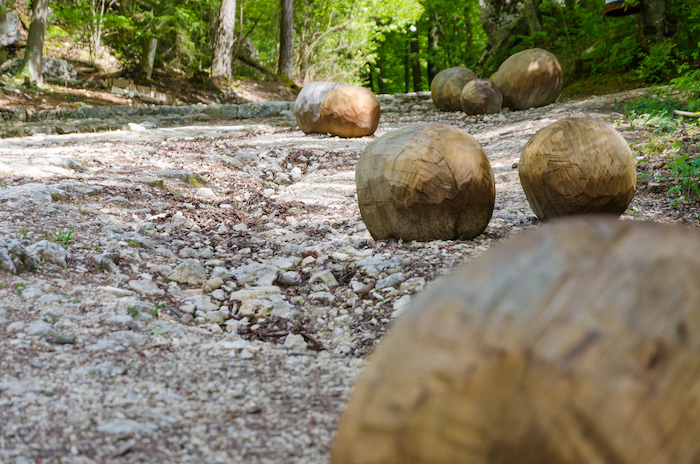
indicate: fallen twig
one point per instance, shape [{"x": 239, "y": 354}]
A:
[{"x": 687, "y": 114}]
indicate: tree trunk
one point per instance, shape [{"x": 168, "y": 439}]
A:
[
  {"x": 149, "y": 57},
  {"x": 532, "y": 16},
  {"x": 432, "y": 54},
  {"x": 407, "y": 68},
  {"x": 651, "y": 22},
  {"x": 286, "y": 38},
  {"x": 126, "y": 7},
  {"x": 415, "y": 63},
  {"x": 35, "y": 41},
  {"x": 223, "y": 43}
]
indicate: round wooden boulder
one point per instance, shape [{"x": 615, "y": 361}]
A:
[
  {"x": 350, "y": 111},
  {"x": 578, "y": 342},
  {"x": 308, "y": 104},
  {"x": 446, "y": 87},
  {"x": 425, "y": 183},
  {"x": 529, "y": 78},
  {"x": 577, "y": 166},
  {"x": 481, "y": 96}
]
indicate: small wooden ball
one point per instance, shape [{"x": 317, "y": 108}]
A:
[
  {"x": 446, "y": 87},
  {"x": 425, "y": 183},
  {"x": 481, "y": 96},
  {"x": 350, "y": 111},
  {"x": 577, "y": 166},
  {"x": 577, "y": 342},
  {"x": 529, "y": 78},
  {"x": 308, "y": 104}
]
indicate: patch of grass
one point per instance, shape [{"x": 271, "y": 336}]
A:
[
  {"x": 685, "y": 170},
  {"x": 60, "y": 236},
  {"x": 19, "y": 287}
]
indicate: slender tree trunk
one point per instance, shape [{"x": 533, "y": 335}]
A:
[
  {"x": 532, "y": 15},
  {"x": 286, "y": 38},
  {"x": 415, "y": 62},
  {"x": 126, "y": 7},
  {"x": 407, "y": 67},
  {"x": 432, "y": 53},
  {"x": 35, "y": 40},
  {"x": 651, "y": 22},
  {"x": 149, "y": 57},
  {"x": 223, "y": 43}
]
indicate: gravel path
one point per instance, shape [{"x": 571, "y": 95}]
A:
[{"x": 209, "y": 293}]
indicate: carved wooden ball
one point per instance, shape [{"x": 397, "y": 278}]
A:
[
  {"x": 308, "y": 105},
  {"x": 425, "y": 183},
  {"x": 578, "y": 342},
  {"x": 446, "y": 87},
  {"x": 529, "y": 78},
  {"x": 481, "y": 96},
  {"x": 350, "y": 111},
  {"x": 577, "y": 166}
]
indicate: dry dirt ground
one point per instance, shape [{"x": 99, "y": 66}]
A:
[{"x": 220, "y": 293}]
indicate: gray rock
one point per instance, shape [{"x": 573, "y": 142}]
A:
[
  {"x": 204, "y": 192},
  {"x": 324, "y": 298},
  {"x": 201, "y": 303},
  {"x": 326, "y": 277},
  {"x": 16, "y": 326},
  {"x": 222, "y": 111},
  {"x": 119, "y": 201},
  {"x": 127, "y": 426},
  {"x": 107, "y": 262},
  {"x": 134, "y": 238},
  {"x": 255, "y": 308},
  {"x": 9, "y": 30},
  {"x": 146, "y": 287},
  {"x": 295, "y": 342},
  {"x": 262, "y": 110},
  {"x": 215, "y": 317},
  {"x": 53, "y": 68},
  {"x": 41, "y": 328},
  {"x": 390, "y": 281},
  {"x": 49, "y": 252},
  {"x": 38, "y": 193},
  {"x": 212, "y": 284},
  {"x": 14, "y": 258},
  {"x": 189, "y": 272},
  {"x": 256, "y": 273}
]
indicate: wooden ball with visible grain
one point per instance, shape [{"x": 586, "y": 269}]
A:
[
  {"x": 350, "y": 111},
  {"x": 425, "y": 183},
  {"x": 446, "y": 87},
  {"x": 577, "y": 166},
  {"x": 308, "y": 105},
  {"x": 529, "y": 78},
  {"x": 481, "y": 96},
  {"x": 577, "y": 342}
]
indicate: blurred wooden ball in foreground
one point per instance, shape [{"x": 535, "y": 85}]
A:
[
  {"x": 446, "y": 87},
  {"x": 575, "y": 343},
  {"x": 308, "y": 104},
  {"x": 425, "y": 183},
  {"x": 577, "y": 166},
  {"x": 350, "y": 111},
  {"x": 481, "y": 96},
  {"x": 529, "y": 78}
]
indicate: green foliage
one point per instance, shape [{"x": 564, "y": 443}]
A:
[
  {"x": 659, "y": 64},
  {"x": 60, "y": 236},
  {"x": 685, "y": 170}
]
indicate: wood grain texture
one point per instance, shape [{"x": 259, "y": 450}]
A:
[
  {"x": 446, "y": 87},
  {"x": 425, "y": 183},
  {"x": 307, "y": 107},
  {"x": 350, "y": 111},
  {"x": 529, "y": 78},
  {"x": 577, "y": 166},
  {"x": 481, "y": 96},
  {"x": 576, "y": 343}
]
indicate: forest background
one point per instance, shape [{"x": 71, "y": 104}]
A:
[{"x": 390, "y": 46}]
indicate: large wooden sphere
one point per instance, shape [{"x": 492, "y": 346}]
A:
[
  {"x": 308, "y": 104},
  {"x": 481, "y": 96},
  {"x": 350, "y": 111},
  {"x": 577, "y": 166},
  {"x": 575, "y": 343},
  {"x": 529, "y": 78},
  {"x": 425, "y": 183},
  {"x": 446, "y": 87}
]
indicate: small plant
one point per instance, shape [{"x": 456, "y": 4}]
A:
[
  {"x": 133, "y": 243},
  {"x": 19, "y": 287},
  {"x": 686, "y": 170},
  {"x": 133, "y": 312},
  {"x": 62, "y": 236},
  {"x": 25, "y": 232}
]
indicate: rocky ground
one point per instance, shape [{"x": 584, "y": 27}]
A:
[{"x": 208, "y": 293}]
